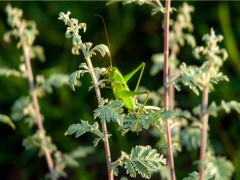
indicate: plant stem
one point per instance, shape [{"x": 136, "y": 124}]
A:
[
  {"x": 171, "y": 92},
  {"x": 48, "y": 156},
  {"x": 104, "y": 126},
  {"x": 204, "y": 119},
  {"x": 166, "y": 89}
]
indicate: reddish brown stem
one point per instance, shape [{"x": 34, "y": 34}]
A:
[
  {"x": 48, "y": 156},
  {"x": 166, "y": 89},
  {"x": 204, "y": 129},
  {"x": 104, "y": 126}
]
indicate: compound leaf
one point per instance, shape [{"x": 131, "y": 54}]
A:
[
  {"x": 143, "y": 160},
  {"x": 112, "y": 111},
  {"x": 219, "y": 168},
  {"x": 192, "y": 176},
  {"x": 83, "y": 127}
]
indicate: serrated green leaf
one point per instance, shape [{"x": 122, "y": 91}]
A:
[
  {"x": 9, "y": 72},
  {"x": 191, "y": 138},
  {"x": 73, "y": 79},
  {"x": 37, "y": 52},
  {"x": 130, "y": 169},
  {"x": 115, "y": 171},
  {"x": 81, "y": 151},
  {"x": 143, "y": 160},
  {"x": 217, "y": 77},
  {"x": 135, "y": 123},
  {"x": 101, "y": 48},
  {"x": 36, "y": 141},
  {"x": 110, "y": 112},
  {"x": 190, "y": 76},
  {"x": 6, "y": 120},
  {"x": 22, "y": 109},
  {"x": 158, "y": 60},
  {"x": 79, "y": 129},
  {"x": 190, "y": 39},
  {"x": 70, "y": 161},
  {"x": 219, "y": 168},
  {"x": 83, "y": 127},
  {"x": 214, "y": 109},
  {"x": 56, "y": 80},
  {"x": 192, "y": 176},
  {"x": 129, "y": 124}
]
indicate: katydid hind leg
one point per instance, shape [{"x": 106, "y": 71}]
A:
[
  {"x": 131, "y": 93},
  {"x": 142, "y": 108},
  {"x": 129, "y": 75}
]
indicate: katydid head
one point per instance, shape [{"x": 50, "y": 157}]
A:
[{"x": 110, "y": 73}]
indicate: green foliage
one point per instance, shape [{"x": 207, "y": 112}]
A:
[
  {"x": 184, "y": 126},
  {"x": 180, "y": 32},
  {"x": 191, "y": 137},
  {"x": 54, "y": 81},
  {"x": 73, "y": 32},
  {"x": 189, "y": 76},
  {"x": 225, "y": 106},
  {"x": 135, "y": 123},
  {"x": 83, "y": 127},
  {"x": 112, "y": 111},
  {"x": 26, "y": 107},
  {"x": 216, "y": 168},
  {"x": 9, "y": 72},
  {"x": 219, "y": 168},
  {"x": 158, "y": 60},
  {"x": 6, "y": 120},
  {"x": 64, "y": 160},
  {"x": 73, "y": 79},
  {"x": 36, "y": 141},
  {"x": 156, "y": 5},
  {"x": 101, "y": 48},
  {"x": 23, "y": 30},
  {"x": 192, "y": 176},
  {"x": 22, "y": 109},
  {"x": 143, "y": 160},
  {"x": 197, "y": 78},
  {"x": 214, "y": 109}
]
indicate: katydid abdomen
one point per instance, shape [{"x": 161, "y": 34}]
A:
[{"x": 120, "y": 88}]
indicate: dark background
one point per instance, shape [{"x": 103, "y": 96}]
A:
[{"x": 134, "y": 36}]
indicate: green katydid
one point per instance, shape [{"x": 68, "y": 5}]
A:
[{"x": 119, "y": 85}]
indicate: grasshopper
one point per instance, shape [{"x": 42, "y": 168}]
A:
[{"x": 118, "y": 84}]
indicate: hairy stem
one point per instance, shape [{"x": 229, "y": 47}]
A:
[
  {"x": 48, "y": 156},
  {"x": 104, "y": 126},
  {"x": 166, "y": 89},
  {"x": 204, "y": 119}
]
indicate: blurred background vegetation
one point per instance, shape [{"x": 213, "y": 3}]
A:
[{"x": 134, "y": 37}]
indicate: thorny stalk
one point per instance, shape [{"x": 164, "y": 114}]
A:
[
  {"x": 166, "y": 89},
  {"x": 48, "y": 156},
  {"x": 104, "y": 126}
]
